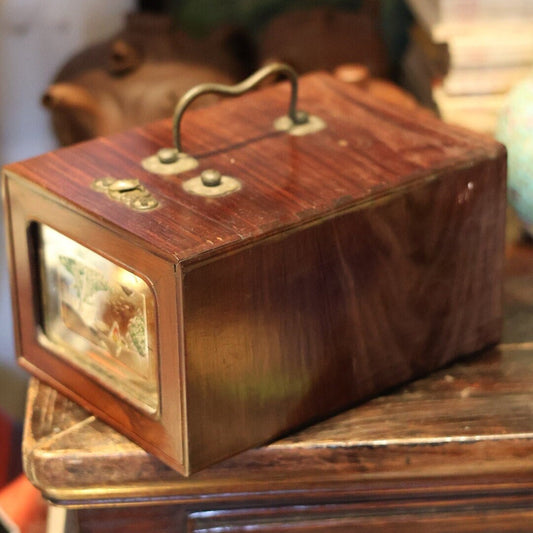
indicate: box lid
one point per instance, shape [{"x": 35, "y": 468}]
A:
[{"x": 367, "y": 150}]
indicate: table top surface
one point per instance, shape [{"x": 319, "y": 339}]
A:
[{"x": 464, "y": 426}]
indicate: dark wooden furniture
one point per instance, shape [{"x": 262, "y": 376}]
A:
[
  {"x": 353, "y": 259},
  {"x": 450, "y": 452}
]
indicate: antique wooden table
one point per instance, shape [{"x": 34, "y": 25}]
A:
[{"x": 450, "y": 452}]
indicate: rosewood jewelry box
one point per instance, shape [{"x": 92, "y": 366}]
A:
[{"x": 210, "y": 282}]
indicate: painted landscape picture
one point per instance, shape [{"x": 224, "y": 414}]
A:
[{"x": 101, "y": 314}]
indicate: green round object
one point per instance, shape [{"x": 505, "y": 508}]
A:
[{"x": 515, "y": 130}]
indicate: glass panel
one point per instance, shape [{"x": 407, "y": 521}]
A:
[{"x": 100, "y": 317}]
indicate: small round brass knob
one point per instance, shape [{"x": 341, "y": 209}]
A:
[
  {"x": 211, "y": 178},
  {"x": 167, "y": 155}
]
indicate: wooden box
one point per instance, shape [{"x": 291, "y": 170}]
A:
[{"x": 349, "y": 260}]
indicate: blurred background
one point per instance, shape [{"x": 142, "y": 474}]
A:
[{"x": 74, "y": 70}]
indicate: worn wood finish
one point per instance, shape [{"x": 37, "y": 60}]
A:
[
  {"x": 471, "y": 420},
  {"x": 353, "y": 259},
  {"x": 450, "y": 452},
  {"x": 484, "y": 515}
]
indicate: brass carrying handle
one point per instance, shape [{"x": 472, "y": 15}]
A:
[{"x": 297, "y": 117}]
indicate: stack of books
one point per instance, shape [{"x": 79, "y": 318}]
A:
[{"x": 465, "y": 55}]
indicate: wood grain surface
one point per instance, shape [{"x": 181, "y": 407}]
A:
[{"x": 367, "y": 150}]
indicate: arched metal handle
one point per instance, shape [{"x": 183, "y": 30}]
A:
[{"x": 297, "y": 117}]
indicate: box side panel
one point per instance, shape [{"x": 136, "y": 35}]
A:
[{"x": 295, "y": 328}]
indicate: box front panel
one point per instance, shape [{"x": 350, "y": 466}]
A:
[{"x": 94, "y": 310}]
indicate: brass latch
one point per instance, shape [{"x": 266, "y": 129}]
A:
[{"x": 127, "y": 191}]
